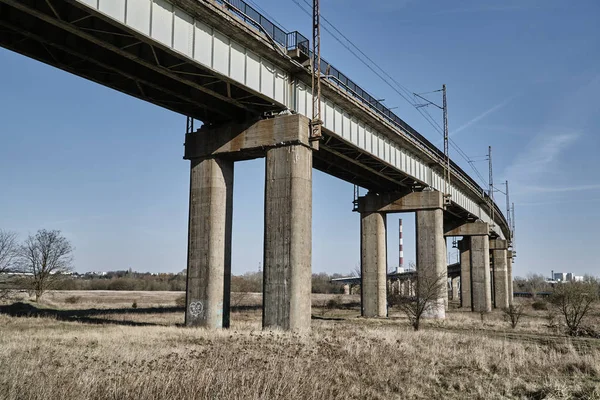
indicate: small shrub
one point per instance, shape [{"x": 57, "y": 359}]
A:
[
  {"x": 333, "y": 303},
  {"x": 180, "y": 301},
  {"x": 134, "y": 305},
  {"x": 513, "y": 313},
  {"x": 574, "y": 301},
  {"x": 73, "y": 299},
  {"x": 539, "y": 305}
]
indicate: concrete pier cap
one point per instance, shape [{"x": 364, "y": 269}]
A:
[
  {"x": 212, "y": 150},
  {"x": 431, "y": 245},
  {"x": 475, "y": 282}
]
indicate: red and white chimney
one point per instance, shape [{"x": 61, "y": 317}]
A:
[{"x": 401, "y": 253}]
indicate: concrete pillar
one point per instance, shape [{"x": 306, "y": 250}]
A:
[
  {"x": 510, "y": 277},
  {"x": 408, "y": 289},
  {"x": 480, "y": 274},
  {"x": 431, "y": 260},
  {"x": 209, "y": 243},
  {"x": 373, "y": 264},
  {"x": 346, "y": 288},
  {"x": 288, "y": 238},
  {"x": 492, "y": 282},
  {"x": 454, "y": 283},
  {"x": 501, "y": 286},
  {"x": 464, "y": 247}
]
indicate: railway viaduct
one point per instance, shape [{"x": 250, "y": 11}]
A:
[{"x": 249, "y": 82}]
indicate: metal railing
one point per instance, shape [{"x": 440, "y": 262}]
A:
[
  {"x": 295, "y": 40},
  {"x": 288, "y": 40}
]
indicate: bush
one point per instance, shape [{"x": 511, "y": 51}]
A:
[
  {"x": 73, "y": 299},
  {"x": 539, "y": 305},
  {"x": 513, "y": 313},
  {"x": 134, "y": 305},
  {"x": 122, "y": 284},
  {"x": 574, "y": 302},
  {"x": 333, "y": 303},
  {"x": 180, "y": 301}
]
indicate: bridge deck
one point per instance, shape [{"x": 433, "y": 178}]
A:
[{"x": 168, "y": 53}]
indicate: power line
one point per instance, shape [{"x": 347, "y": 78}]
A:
[
  {"x": 266, "y": 14},
  {"x": 399, "y": 89}
]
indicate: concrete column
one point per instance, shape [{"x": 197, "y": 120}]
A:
[
  {"x": 464, "y": 247},
  {"x": 346, "y": 288},
  {"x": 492, "y": 282},
  {"x": 209, "y": 243},
  {"x": 409, "y": 290},
  {"x": 454, "y": 284},
  {"x": 510, "y": 277},
  {"x": 480, "y": 274},
  {"x": 288, "y": 238},
  {"x": 373, "y": 265},
  {"x": 499, "y": 259},
  {"x": 431, "y": 259}
]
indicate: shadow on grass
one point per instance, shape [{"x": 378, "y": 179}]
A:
[{"x": 92, "y": 315}]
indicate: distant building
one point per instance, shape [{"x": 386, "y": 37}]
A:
[
  {"x": 560, "y": 276},
  {"x": 567, "y": 277}
]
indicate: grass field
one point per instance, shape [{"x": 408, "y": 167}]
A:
[{"x": 94, "y": 345}]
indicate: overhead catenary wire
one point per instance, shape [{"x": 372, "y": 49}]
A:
[
  {"x": 400, "y": 89},
  {"x": 266, "y": 14}
]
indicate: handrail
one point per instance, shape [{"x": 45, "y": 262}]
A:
[{"x": 295, "y": 40}]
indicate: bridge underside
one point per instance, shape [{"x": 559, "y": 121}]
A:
[{"x": 79, "y": 40}]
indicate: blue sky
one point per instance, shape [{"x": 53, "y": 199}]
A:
[{"x": 522, "y": 76}]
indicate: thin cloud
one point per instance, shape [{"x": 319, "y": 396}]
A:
[
  {"x": 544, "y": 152},
  {"x": 507, "y": 6},
  {"x": 538, "y": 164},
  {"x": 576, "y": 188},
  {"x": 558, "y": 202},
  {"x": 482, "y": 115}
]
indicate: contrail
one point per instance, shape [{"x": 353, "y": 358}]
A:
[{"x": 482, "y": 115}]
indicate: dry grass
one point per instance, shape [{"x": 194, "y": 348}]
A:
[{"x": 353, "y": 358}]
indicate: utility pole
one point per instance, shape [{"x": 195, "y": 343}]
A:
[
  {"x": 446, "y": 162},
  {"x": 491, "y": 181},
  {"x": 512, "y": 220},
  {"x": 447, "y": 195},
  {"x": 508, "y": 207},
  {"x": 316, "y": 123}
]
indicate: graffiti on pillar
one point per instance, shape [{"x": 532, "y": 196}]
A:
[{"x": 196, "y": 309}]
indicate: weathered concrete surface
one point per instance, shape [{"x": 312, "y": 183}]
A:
[
  {"x": 454, "y": 285},
  {"x": 500, "y": 278},
  {"x": 509, "y": 274},
  {"x": 401, "y": 202},
  {"x": 431, "y": 260},
  {"x": 464, "y": 246},
  {"x": 248, "y": 140},
  {"x": 373, "y": 264},
  {"x": 467, "y": 229},
  {"x": 498, "y": 244},
  {"x": 209, "y": 243},
  {"x": 480, "y": 274},
  {"x": 288, "y": 238},
  {"x": 346, "y": 289}
]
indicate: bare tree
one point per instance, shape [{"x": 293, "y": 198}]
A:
[
  {"x": 46, "y": 256},
  {"x": 574, "y": 301},
  {"x": 514, "y": 312},
  {"x": 426, "y": 297},
  {"x": 8, "y": 250}
]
